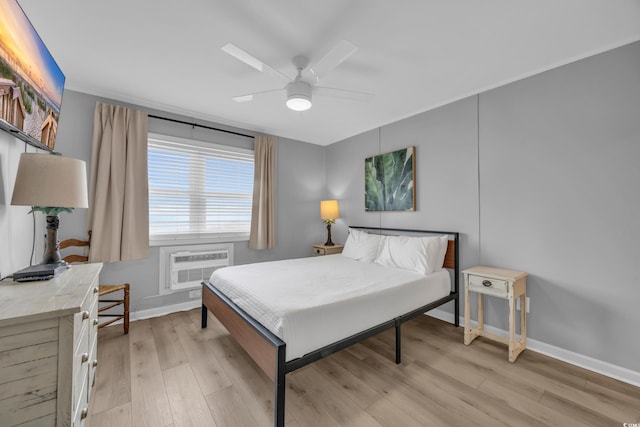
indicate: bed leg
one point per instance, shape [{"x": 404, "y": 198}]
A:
[
  {"x": 398, "y": 343},
  {"x": 204, "y": 316},
  {"x": 280, "y": 388},
  {"x": 456, "y": 311}
]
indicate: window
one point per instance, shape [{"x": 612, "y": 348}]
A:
[{"x": 198, "y": 190}]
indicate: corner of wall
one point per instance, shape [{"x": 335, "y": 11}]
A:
[{"x": 16, "y": 226}]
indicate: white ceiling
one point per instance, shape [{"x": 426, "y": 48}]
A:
[{"x": 413, "y": 55}]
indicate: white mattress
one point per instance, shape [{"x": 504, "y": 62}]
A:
[{"x": 312, "y": 302}]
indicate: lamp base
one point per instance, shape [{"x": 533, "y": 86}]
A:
[
  {"x": 329, "y": 242},
  {"x": 52, "y": 246}
]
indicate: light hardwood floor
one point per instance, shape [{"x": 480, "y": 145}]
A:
[{"x": 170, "y": 372}]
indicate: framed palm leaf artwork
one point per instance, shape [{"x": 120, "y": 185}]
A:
[{"x": 389, "y": 181}]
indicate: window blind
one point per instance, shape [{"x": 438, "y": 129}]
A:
[{"x": 198, "y": 189}]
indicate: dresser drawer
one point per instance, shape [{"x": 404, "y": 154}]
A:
[
  {"x": 488, "y": 285},
  {"x": 81, "y": 361},
  {"x": 93, "y": 321},
  {"x": 93, "y": 366},
  {"x": 81, "y": 320},
  {"x": 93, "y": 345},
  {"x": 82, "y": 408}
]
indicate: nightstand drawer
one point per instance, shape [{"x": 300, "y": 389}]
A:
[
  {"x": 318, "y": 251},
  {"x": 484, "y": 284}
]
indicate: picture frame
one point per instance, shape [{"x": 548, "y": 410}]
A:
[{"x": 389, "y": 181}]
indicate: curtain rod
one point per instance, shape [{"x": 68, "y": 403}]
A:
[{"x": 201, "y": 126}]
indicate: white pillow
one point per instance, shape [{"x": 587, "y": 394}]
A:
[
  {"x": 420, "y": 254},
  {"x": 444, "y": 245},
  {"x": 361, "y": 246}
]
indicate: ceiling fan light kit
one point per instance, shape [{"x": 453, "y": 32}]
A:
[
  {"x": 299, "y": 95},
  {"x": 299, "y": 90}
]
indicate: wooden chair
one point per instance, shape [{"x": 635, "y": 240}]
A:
[{"x": 103, "y": 290}]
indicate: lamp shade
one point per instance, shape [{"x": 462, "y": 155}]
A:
[
  {"x": 329, "y": 209},
  {"x": 50, "y": 180}
]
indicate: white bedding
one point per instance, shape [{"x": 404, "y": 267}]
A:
[{"x": 312, "y": 302}]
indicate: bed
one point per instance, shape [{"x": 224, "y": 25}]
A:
[{"x": 287, "y": 314}]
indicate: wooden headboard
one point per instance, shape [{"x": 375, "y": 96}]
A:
[{"x": 451, "y": 255}]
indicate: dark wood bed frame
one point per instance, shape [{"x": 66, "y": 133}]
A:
[{"x": 268, "y": 350}]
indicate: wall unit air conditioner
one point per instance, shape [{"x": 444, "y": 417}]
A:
[{"x": 185, "y": 267}]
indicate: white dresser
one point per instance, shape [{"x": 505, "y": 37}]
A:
[{"x": 48, "y": 343}]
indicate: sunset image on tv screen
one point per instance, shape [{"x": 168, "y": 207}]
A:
[{"x": 31, "y": 83}]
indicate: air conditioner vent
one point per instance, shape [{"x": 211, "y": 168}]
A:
[
  {"x": 183, "y": 268},
  {"x": 209, "y": 256}
]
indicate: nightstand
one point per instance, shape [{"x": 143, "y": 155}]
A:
[
  {"x": 321, "y": 249},
  {"x": 497, "y": 282}
]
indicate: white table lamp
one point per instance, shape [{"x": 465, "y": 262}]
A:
[
  {"x": 329, "y": 211},
  {"x": 50, "y": 184}
]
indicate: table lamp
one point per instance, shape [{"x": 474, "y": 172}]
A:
[
  {"x": 50, "y": 184},
  {"x": 329, "y": 211}
]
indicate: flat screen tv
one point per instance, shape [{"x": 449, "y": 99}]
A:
[{"x": 31, "y": 83}]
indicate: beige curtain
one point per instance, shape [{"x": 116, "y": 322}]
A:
[
  {"x": 263, "y": 228},
  {"x": 118, "y": 188}
]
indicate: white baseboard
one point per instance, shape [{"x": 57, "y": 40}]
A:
[
  {"x": 595, "y": 365},
  {"x": 444, "y": 316},
  {"x": 164, "y": 310}
]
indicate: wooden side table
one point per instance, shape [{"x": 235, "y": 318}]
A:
[
  {"x": 497, "y": 282},
  {"x": 321, "y": 249}
]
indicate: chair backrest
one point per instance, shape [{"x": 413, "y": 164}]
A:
[{"x": 75, "y": 243}]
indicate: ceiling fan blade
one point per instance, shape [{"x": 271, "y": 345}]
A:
[
  {"x": 253, "y": 62},
  {"x": 343, "y": 93},
  {"x": 250, "y": 96},
  {"x": 336, "y": 56},
  {"x": 243, "y": 98}
]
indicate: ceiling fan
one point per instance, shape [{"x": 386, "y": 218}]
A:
[{"x": 301, "y": 88}]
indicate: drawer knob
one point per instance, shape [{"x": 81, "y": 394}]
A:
[
  {"x": 95, "y": 322},
  {"x": 95, "y": 363},
  {"x": 85, "y": 357},
  {"x": 95, "y": 290},
  {"x": 85, "y": 315},
  {"x": 84, "y": 413},
  {"x": 487, "y": 283}
]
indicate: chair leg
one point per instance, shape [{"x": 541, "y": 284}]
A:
[{"x": 126, "y": 309}]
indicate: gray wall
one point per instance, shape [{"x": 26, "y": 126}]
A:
[
  {"x": 539, "y": 175},
  {"x": 559, "y": 181},
  {"x": 300, "y": 186}
]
